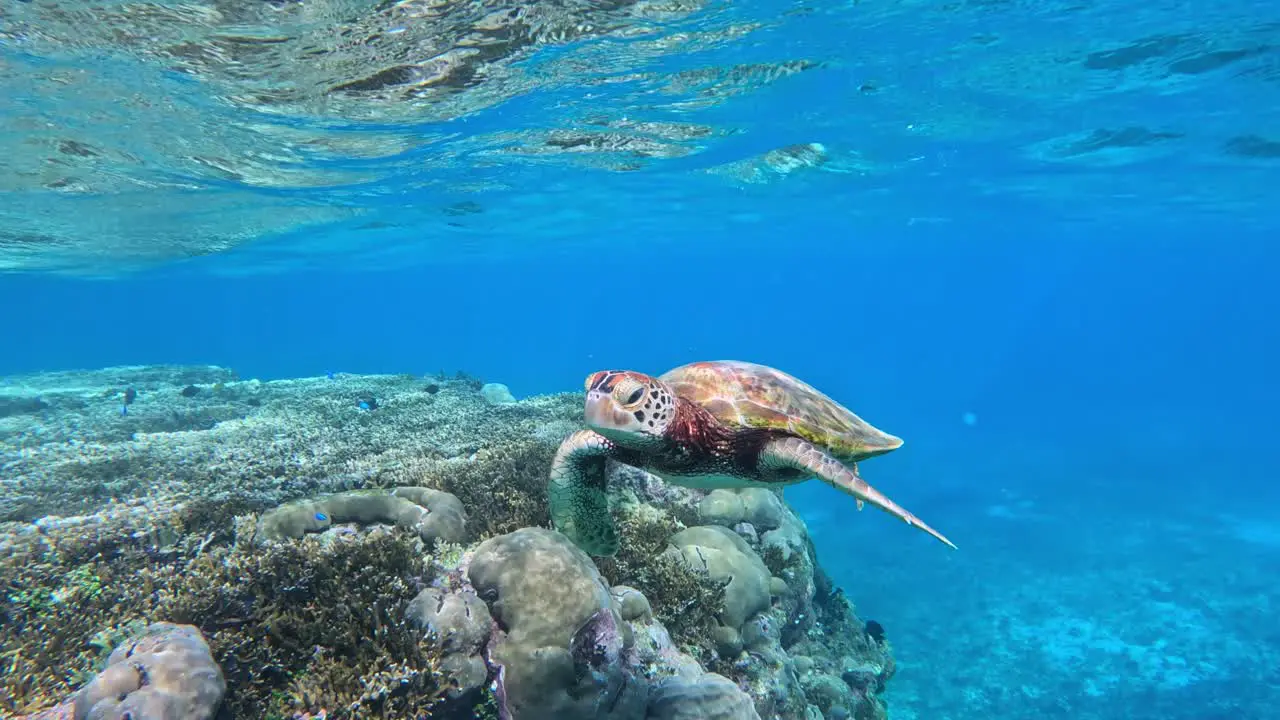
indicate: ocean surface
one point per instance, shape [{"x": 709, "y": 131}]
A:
[{"x": 1036, "y": 240}]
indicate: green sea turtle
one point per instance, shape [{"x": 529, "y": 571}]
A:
[{"x": 722, "y": 424}]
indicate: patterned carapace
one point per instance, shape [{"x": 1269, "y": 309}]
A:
[{"x": 741, "y": 394}]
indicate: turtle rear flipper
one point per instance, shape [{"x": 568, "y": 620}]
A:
[
  {"x": 791, "y": 452},
  {"x": 578, "y": 494}
]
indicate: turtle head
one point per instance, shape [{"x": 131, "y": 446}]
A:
[{"x": 630, "y": 408}]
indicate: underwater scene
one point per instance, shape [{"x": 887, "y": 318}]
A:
[{"x": 639, "y": 360}]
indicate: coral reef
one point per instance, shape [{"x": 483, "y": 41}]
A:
[
  {"x": 765, "y": 615},
  {"x": 726, "y": 558},
  {"x": 562, "y": 643},
  {"x": 377, "y": 547},
  {"x": 306, "y": 625},
  {"x": 503, "y": 487},
  {"x": 260, "y": 443},
  {"x": 686, "y": 602},
  {"x": 165, "y": 672}
]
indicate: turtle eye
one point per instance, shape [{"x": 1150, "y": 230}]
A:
[{"x": 628, "y": 392}]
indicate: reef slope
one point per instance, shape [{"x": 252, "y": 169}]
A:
[{"x": 379, "y": 547}]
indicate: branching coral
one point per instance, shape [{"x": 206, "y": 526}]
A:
[
  {"x": 308, "y": 625},
  {"x": 327, "y": 616},
  {"x": 503, "y": 488},
  {"x": 685, "y": 601},
  {"x": 62, "y": 587}
]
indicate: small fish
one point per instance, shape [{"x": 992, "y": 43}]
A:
[
  {"x": 875, "y": 631},
  {"x": 367, "y": 403},
  {"x": 330, "y": 375},
  {"x": 129, "y": 396}
]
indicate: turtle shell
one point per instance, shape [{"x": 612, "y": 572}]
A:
[{"x": 747, "y": 395}]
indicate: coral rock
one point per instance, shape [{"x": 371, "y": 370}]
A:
[
  {"x": 758, "y": 507},
  {"x": 459, "y": 624},
  {"x": 497, "y": 394},
  {"x": 726, "y": 557},
  {"x": 721, "y": 507},
  {"x": 762, "y": 508},
  {"x": 710, "y": 697},
  {"x": 165, "y": 674},
  {"x": 431, "y": 513},
  {"x": 632, "y": 603},
  {"x": 549, "y": 599}
]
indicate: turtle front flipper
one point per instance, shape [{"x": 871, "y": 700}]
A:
[
  {"x": 578, "y": 494},
  {"x": 790, "y": 452}
]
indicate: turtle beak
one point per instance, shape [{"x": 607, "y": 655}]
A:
[
  {"x": 603, "y": 414},
  {"x": 599, "y": 410}
]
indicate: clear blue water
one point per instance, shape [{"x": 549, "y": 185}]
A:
[{"x": 1055, "y": 219}]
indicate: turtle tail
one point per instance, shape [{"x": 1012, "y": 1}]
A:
[{"x": 578, "y": 493}]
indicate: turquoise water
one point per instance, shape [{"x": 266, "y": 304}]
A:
[{"x": 1036, "y": 240}]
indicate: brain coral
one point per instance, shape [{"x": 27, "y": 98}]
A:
[{"x": 545, "y": 593}]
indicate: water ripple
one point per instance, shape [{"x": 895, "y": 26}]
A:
[{"x": 138, "y": 132}]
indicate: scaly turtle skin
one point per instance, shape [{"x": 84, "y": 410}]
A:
[{"x": 724, "y": 424}]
